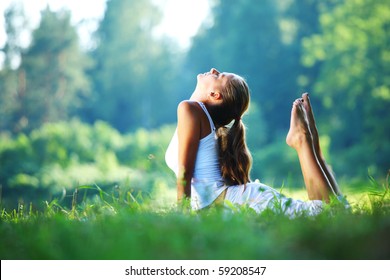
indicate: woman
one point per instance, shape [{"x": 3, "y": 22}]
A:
[{"x": 210, "y": 158}]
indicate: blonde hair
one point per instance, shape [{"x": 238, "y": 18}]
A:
[{"x": 234, "y": 156}]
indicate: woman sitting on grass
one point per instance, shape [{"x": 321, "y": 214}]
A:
[{"x": 210, "y": 158}]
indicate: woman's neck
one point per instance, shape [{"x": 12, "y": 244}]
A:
[{"x": 199, "y": 96}]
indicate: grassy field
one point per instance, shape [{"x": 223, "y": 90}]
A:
[{"x": 127, "y": 227}]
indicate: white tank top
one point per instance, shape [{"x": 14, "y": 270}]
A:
[{"x": 207, "y": 182}]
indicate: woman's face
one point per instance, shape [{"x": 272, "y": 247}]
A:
[{"x": 212, "y": 81}]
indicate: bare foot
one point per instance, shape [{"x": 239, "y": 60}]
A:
[
  {"x": 312, "y": 123},
  {"x": 299, "y": 127},
  {"x": 316, "y": 143}
]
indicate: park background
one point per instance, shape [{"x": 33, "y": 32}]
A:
[{"x": 79, "y": 120}]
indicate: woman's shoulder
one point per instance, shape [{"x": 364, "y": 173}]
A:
[{"x": 189, "y": 108}]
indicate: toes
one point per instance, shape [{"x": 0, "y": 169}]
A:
[
  {"x": 298, "y": 101},
  {"x": 300, "y": 106},
  {"x": 305, "y": 98}
]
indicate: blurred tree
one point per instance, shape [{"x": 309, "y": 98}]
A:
[
  {"x": 133, "y": 77},
  {"x": 54, "y": 67},
  {"x": 354, "y": 81},
  {"x": 15, "y": 23},
  {"x": 8, "y": 97},
  {"x": 51, "y": 77}
]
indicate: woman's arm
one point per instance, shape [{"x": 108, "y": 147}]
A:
[{"x": 188, "y": 130}]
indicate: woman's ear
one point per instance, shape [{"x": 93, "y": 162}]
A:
[{"x": 215, "y": 95}]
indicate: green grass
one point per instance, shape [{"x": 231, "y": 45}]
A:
[{"x": 122, "y": 226}]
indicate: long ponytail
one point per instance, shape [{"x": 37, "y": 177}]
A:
[{"x": 234, "y": 157}]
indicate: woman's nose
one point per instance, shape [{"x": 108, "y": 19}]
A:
[{"x": 214, "y": 71}]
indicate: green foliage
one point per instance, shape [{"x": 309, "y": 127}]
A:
[
  {"x": 8, "y": 97},
  {"x": 354, "y": 82},
  {"x": 60, "y": 156},
  {"x": 277, "y": 165}
]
